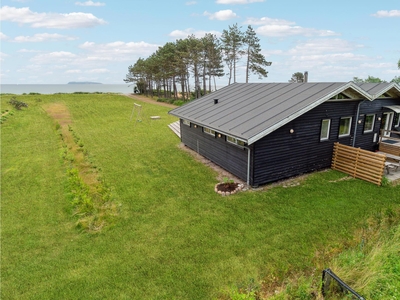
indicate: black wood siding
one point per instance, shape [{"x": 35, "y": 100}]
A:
[
  {"x": 376, "y": 107},
  {"x": 230, "y": 157},
  {"x": 282, "y": 154}
]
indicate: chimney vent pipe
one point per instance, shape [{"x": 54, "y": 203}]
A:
[{"x": 215, "y": 101}]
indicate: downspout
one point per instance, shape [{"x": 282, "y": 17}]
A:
[
  {"x": 357, "y": 117},
  {"x": 248, "y": 164}
]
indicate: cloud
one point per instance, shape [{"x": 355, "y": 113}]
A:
[
  {"x": 387, "y": 13},
  {"x": 89, "y": 3},
  {"x": 28, "y": 51},
  {"x": 191, "y": 3},
  {"x": 182, "y": 34},
  {"x": 98, "y": 71},
  {"x": 281, "y": 28},
  {"x": 221, "y": 15},
  {"x": 319, "y": 46},
  {"x": 93, "y": 58},
  {"x": 2, "y": 56},
  {"x": 118, "y": 51},
  {"x": 76, "y": 71},
  {"x": 3, "y": 36},
  {"x": 43, "y": 37},
  {"x": 237, "y": 1},
  {"x": 49, "y": 20}
]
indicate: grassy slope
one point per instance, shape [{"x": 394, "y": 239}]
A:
[{"x": 176, "y": 238}]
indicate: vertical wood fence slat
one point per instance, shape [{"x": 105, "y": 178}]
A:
[{"x": 358, "y": 163}]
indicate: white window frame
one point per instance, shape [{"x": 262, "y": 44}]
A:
[
  {"x": 233, "y": 140},
  {"x": 398, "y": 120},
  {"x": 349, "y": 129},
  {"x": 373, "y": 123},
  {"x": 209, "y": 131},
  {"x": 388, "y": 123},
  {"x": 186, "y": 122},
  {"x": 326, "y": 137}
]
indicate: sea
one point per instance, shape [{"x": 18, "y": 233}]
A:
[{"x": 20, "y": 89}]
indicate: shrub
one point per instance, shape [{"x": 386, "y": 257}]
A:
[{"x": 17, "y": 104}]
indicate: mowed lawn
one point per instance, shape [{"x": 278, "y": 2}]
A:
[{"x": 174, "y": 238}]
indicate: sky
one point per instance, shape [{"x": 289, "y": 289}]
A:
[{"x": 58, "y": 41}]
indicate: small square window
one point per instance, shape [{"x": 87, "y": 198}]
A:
[
  {"x": 369, "y": 123},
  {"x": 325, "y": 128},
  {"x": 209, "y": 131},
  {"x": 186, "y": 122},
  {"x": 345, "y": 126},
  {"x": 233, "y": 140}
]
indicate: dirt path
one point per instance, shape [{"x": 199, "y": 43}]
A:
[{"x": 149, "y": 100}]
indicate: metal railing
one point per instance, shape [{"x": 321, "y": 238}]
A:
[{"x": 333, "y": 287}]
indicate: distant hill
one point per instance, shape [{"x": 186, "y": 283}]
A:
[{"x": 83, "y": 82}]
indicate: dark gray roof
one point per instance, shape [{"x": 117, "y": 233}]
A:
[
  {"x": 377, "y": 89},
  {"x": 250, "y": 111}
]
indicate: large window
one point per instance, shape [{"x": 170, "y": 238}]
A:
[
  {"x": 345, "y": 126},
  {"x": 209, "y": 131},
  {"x": 325, "y": 128},
  {"x": 233, "y": 140},
  {"x": 369, "y": 123}
]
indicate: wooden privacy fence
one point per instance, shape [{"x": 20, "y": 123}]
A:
[{"x": 358, "y": 163}]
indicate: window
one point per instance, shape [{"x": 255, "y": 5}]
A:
[
  {"x": 325, "y": 128},
  {"x": 345, "y": 126},
  {"x": 397, "y": 124},
  {"x": 369, "y": 123},
  {"x": 209, "y": 131},
  {"x": 186, "y": 122},
  {"x": 233, "y": 140}
]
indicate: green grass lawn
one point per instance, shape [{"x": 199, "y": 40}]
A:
[{"x": 174, "y": 238}]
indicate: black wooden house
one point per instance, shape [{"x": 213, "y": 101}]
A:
[{"x": 264, "y": 132}]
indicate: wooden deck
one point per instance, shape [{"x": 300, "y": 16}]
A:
[{"x": 176, "y": 128}]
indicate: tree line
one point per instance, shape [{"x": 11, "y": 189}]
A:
[{"x": 197, "y": 61}]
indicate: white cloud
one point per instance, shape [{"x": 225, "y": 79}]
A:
[
  {"x": 2, "y": 56},
  {"x": 387, "y": 13},
  {"x": 98, "y": 71},
  {"x": 89, "y": 3},
  {"x": 319, "y": 46},
  {"x": 191, "y": 3},
  {"x": 281, "y": 28},
  {"x": 3, "y": 36},
  {"x": 28, "y": 51},
  {"x": 49, "y": 20},
  {"x": 238, "y": 1},
  {"x": 221, "y": 15},
  {"x": 76, "y": 71},
  {"x": 182, "y": 34},
  {"x": 54, "y": 57},
  {"x": 118, "y": 51},
  {"x": 43, "y": 37}
]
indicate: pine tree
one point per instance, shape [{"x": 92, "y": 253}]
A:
[
  {"x": 256, "y": 61},
  {"x": 232, "y": 46}
]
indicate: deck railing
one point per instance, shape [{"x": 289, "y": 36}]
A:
[{"x": 389, "y": 142}]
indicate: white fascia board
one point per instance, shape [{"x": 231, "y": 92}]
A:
[{"x": 306, "y": 109}]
